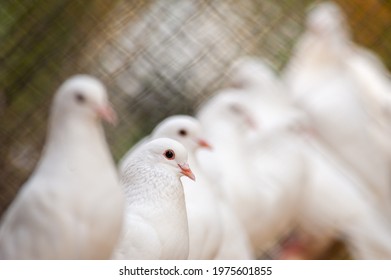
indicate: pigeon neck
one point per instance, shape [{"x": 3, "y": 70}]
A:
[
  {"x": 70, "y": 138},
  {"x": 323, "y": 50},
  {"x": 193, "y": 162},
  {"x": 153, "y": 188}
]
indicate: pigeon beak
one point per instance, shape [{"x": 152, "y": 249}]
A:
[
  {"x": 251, "y": 123},
  {"x": 204, "y": 144},
  {"x": 108, "y": 114},
  {"x": 185, "y": 170}
]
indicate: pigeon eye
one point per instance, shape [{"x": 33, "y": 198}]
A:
[
  {"x": 182, "y": 132},
  {"x": 236, "y": 109},
  {"x": 169, "y": 154},
  {"x": 80, "y": 98}
]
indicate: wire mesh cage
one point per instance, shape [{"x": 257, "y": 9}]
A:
[{"x": 157, "y": 58}]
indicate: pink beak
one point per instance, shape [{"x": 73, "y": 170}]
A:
[
  {"x": 251, "y": 123},
  {"x": 204, "y": 144},
  {"x": 108, "y": 114},
  {"x": 185, "y": 170}
]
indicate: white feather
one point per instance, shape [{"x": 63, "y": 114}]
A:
[{"x": 155, "y": 224}]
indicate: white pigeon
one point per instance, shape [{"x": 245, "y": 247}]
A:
[
  {"x": 268, "y": 98},
  {"x": 276, "y": 157},
  {"x": 254, "y": 75},
  {"x": 323, "y": 200},
  {"x": 332, "y": 204},
  {"x": 324, "y": 86},
  {"x": 235, "y": 243},
  {"x": 337, "y": 204},
  {"x": 296, "y": 178},
  {"x": 72, "y": 205},
  {"x": 220, "y": 117},
  {"x": 155, "y": 225},
  {"x": 375, "y": 84},
  {"x": 203, "y": 214},
  {"x": 225, "y": 119},
  {"x": 321, "y": 194},
  {"x": 230, "y": 126}
]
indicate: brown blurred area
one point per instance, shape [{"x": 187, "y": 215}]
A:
[{"x": 370, "y": 23}]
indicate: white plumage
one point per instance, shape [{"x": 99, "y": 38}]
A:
[
  {"x": 72, "y": 205},
  {"x": 155, "y": 225},
  {"x": 203, "y": 213},
  {"x": 247, "y": 169},
  {"x": 325, "y": 87},
  {"x": 223, "y": 118},
  {"x": 338, "y": 204},
  {"x": 375, "y": 90},
  {"x": 284, "y": 176},
  {"x": 309, "y": 176}
]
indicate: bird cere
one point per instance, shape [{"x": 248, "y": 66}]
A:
[{"x": 298, "y": 159}]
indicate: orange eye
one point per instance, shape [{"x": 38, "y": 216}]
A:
[{"x": 169, "y": 154}]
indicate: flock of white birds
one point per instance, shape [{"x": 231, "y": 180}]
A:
[{"x": 305, "y": 153}]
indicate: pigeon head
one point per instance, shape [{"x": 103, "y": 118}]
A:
[
  {"x": 169, "y": 154},
  {"x": 250, "y": 71},
  {"x": 184, "y": 129},
  {"x": 327, "y": 20},
  {"x": 85, "y": 96},
  {"x": 233, "y": 108}
]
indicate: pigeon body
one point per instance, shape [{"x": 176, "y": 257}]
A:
[
  {"x": 220, "y": 118},
  {"x": 338, "y": 204},
  {"x": 155, "y": 225},
  {"x": 325, "y": 86},
  {"x": 72, "y": 205},
  {"x": 323, "y": 195},
  {"x": 263, "y": 165},
  {"x": 235, "y": 243}
]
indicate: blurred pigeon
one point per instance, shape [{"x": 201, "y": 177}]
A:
[
  {"x": 246, "y": 179},
  {"x": 223, "y": 118},
  {"x": 324, "y": 86},
  {"x": 338, "y": 204},
  {"x": 375, "y": 84},
  {"x": 226, "y": 119},
  {"x": 156, "y": 225},
  {"x": 267, "y": 96},
  {"x": 310, "y": 172},
  {"x": 72, "y": 205},
  {"x": 251, "y": 74},
  {"x": 235, "y": 244}
]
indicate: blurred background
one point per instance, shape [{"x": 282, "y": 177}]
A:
[{"x": 157, "y": 58}]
